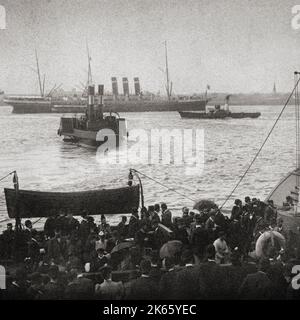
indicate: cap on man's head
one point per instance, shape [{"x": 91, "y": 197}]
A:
[
  {"x": 151, "y": 208},
  {"x": 185, "y": 210},
  {"x": 163, "y": 206},
  {"x": 237, "y": 201},
  {"x": 134, "y": 210},
  {"x": 28, "y": 223}
]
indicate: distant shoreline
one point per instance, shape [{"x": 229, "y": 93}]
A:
[{"x": 240, "y": 99}]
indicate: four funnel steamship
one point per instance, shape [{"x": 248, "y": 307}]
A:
[{"x": 115, "y": 102}]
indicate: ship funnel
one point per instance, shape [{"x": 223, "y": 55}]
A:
[
  {"x": 125, "y": 87},
  {"x": 100, "y": 93},
  {"x": 100, "y": 89},
  {"x": 91, "y": 95},
  {"x": 91, "y": 101},
  {"x": 227, "y": 102},
  {"x": 137, "y": 88},
  {"x": 114, "y": 83},
  {"x": 99, "y": 112}
]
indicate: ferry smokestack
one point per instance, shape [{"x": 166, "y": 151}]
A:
[
  {"x": 91, "y": 101},
  {"x": 100, "y": 93},
  {"x": 100, "y": 102},
  {"x": 100, "y": 89},
  {"x": 227, "y": 103},
  {"x": 125, "y": 87},
  {"x": 137, "y": 88},
  {"x": 114, "y": 83},
  {"x": 91, "y": 95}
]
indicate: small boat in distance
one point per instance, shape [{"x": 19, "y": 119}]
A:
[{"x": 218, "y": 113}]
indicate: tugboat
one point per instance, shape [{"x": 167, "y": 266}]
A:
[
  {"x": 218, "y": 113},
  {"x": 93, "y": 129}
]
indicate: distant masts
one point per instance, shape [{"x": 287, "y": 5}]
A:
[
  {"x": 90, "y": 78},
  {"x": 168, "y": 84},
  {"x": 42, "y": 86}
]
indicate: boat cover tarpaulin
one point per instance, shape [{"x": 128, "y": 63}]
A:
[{"x": 34, "y": 204}]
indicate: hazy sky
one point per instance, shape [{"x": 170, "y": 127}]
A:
[{"x": 233, "y": 45}]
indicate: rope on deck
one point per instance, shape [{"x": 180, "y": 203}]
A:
[
  {"x": 7, "y": 175},
  {"x": 163, "y": 185}
]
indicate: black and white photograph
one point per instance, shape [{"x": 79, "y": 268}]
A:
[{"x": 149, "y": 150}]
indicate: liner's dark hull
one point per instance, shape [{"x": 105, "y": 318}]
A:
[
  {"x": 234, "y": 115},
  {"x": 36, "y": 107},
  {"x": 114, "y": 106},
  {"x": 33, "y": 204}
]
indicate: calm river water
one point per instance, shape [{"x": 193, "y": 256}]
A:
[{"x": 30, "y": 145}]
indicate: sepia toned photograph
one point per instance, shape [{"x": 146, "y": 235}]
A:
[{"x": 150, "y": 150}]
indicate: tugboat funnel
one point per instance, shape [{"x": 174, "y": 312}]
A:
[
  {"x": 137, "y": 87},
  {"x": 115, "y": 90},
  {"x": 91, "y": 95},
  {"x": 125, "y": 87}
]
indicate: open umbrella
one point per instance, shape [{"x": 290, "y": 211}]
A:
[
  {"x": 122, "y": 246},
  {"x": 170, "y": 248},
  {"x": 205, "y": 204}
]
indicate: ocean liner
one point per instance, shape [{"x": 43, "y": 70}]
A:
[{"x": 115, "y": 102}]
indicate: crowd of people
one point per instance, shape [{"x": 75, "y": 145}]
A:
[{"x": 203, "y": 254}]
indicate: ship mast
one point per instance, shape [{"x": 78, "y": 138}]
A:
[
  {"x": 39, "y": 74},
  {"x": 90, "y": 78},
  {"x": 168, "y": 84}
]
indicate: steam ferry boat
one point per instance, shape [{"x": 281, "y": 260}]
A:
[{"x": 87, "y": 129}]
